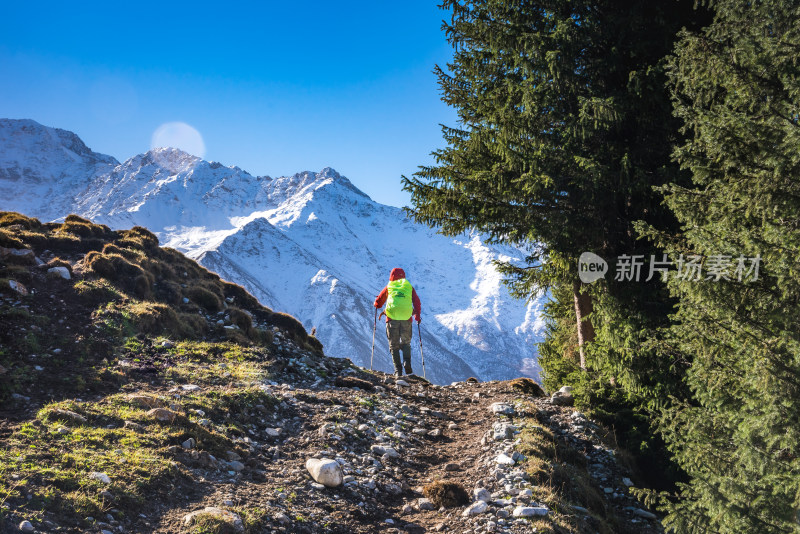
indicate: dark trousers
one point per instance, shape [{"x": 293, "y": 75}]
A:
[{"x": 399, "y": 334}]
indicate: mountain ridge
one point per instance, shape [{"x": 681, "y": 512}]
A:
[{"x": 341, "y": 244}]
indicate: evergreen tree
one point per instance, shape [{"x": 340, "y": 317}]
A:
[
  {"x": 737, "y": 88},
  {"x": 565, "y": 128}
]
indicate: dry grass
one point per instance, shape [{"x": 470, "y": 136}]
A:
[
  {"x": 528, "y": 387},
  {"x": 156, "y": 290}
]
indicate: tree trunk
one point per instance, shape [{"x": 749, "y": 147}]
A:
[{"x": 583, "y": 307}]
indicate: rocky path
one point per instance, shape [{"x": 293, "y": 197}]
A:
[{"x": 391, "y": 440}]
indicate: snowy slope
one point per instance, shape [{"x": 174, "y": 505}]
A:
[
  {"x": 310, "y": 244},
  {"x": 45, "y": 168}
]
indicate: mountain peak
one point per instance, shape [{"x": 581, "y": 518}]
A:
[
  {"x": 317, "y": 180},
  {"x": 23, "y": 134}
]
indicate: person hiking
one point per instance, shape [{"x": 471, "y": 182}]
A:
[{"x": 402, "y": 304}]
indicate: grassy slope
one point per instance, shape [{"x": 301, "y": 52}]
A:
[{"x": 133, "y": 317}]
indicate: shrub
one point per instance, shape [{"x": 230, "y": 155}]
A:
[
  {"x": 204, "y": 298},
  {"x": 447, "y": 494},
  {"x": 58, "y": 262},
  {"x": 528, "y": 386},
  {"x": 10, "y": 218},
  {"x": 138, "y": 237},
  {"x": 241, "y": 318}
]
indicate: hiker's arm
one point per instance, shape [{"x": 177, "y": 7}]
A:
[
  {"x": 416, "y": 303},
  {"x": 381, "y": 299}
]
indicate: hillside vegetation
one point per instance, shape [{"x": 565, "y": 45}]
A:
[{"x": 141, "y": 393}]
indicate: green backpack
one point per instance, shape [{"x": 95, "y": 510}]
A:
[{"x": 399, "y": 305}]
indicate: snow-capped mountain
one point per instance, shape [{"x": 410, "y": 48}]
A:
[
  {"x": 311, "y": 245},
  {"x": 46, "y": 167}
]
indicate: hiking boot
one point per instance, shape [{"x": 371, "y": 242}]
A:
[
  {"x": 398, "y": 368},
  {"x": 407, "y": 360}
]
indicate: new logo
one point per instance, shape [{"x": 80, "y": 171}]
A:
[{"x": 591, "y": 267}]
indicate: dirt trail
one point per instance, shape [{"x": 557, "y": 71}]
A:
[{"x": 381, "y": 494}]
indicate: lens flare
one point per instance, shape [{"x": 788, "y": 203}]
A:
[{"x": 179, "y": 135}]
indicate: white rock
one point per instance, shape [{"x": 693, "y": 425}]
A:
[
  {"x": 390, "y": 452},
  {"x": 475, "y": 509},
  {"x": 61, "y": 271},
  {"x": 236, "y": 466},
  {"x": 482, "y": 494},
  {"x": 102, "y": 477},
  {"x": 504, "y": 459},
  {"x": 628, "y": 482},
  {"x": 325, "y": 429},
  {"x": 273, "y": 432},
  {"x": 529, "y": 511},
  {"x": 325, "y": 471},
  {"x": 402, "y": 383},
  {"x": 503, "y": 431},
  {"x": 425, "y": 504},
  {"x": 190, "y": 387},
  {"x": 501, "y": 408},
  {"x": 26, "y": 526}
]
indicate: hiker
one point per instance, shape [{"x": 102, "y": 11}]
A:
[{"x": 402, "y": 303}]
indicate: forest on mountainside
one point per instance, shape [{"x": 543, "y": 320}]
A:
[{"x": 661, "y": 136}]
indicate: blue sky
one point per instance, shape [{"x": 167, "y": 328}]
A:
[{"x": 272, "y": 87}]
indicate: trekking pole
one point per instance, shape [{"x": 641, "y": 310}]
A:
[
  {"x": 374, "y": 327},
  {"x": 422, "y": 354}
]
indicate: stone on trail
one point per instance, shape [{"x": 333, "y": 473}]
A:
[
  {"x": 402, "y": 383},
  {"x": 325, "y": 471},
  {"x": 26, "y": 526},
  {"x": 502, "y": 408},
  {"x": 482, "y": 494},
  {"x": 503, "y": 431},
  {"x": 475, "y": 509},
  {"x": 390, "y": 452},
  {"x": 563, "y": 397},
  {"x": 425, "y": 505},
  {"x": 504, "y": 459},
  {"x": 61, "y": 271},
  {"x": 530, "y": 511},
  {"x": 236, "y": 466},
  {"x": 232, "y": 521}
]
